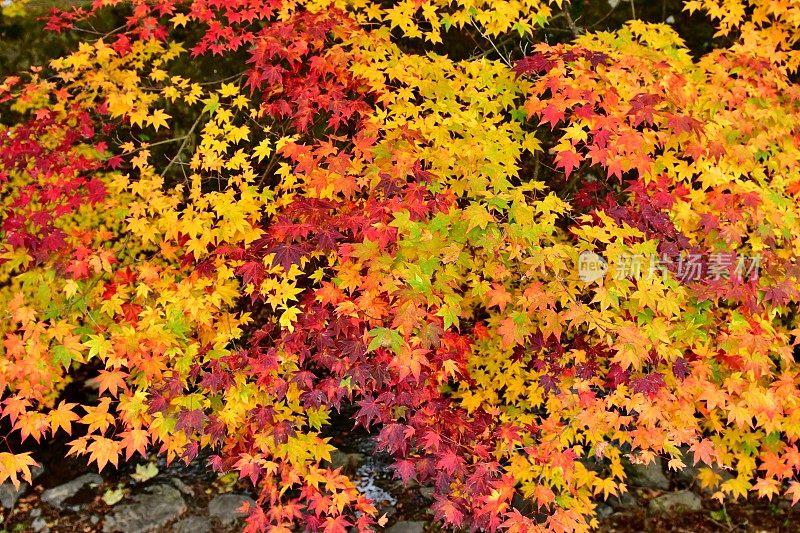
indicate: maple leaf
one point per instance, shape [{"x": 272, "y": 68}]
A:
[
  {"x": 385, "y": 337},
  {"x": 134, "y": 440},
  {"x": 393, "y": 438},
  {"x": 338, "y": 524},
  {"x": 643, "y": 108},
  {"x": 552, "y": 115},
  {"x": 650, "y": 384},
  {"x": 568, "y": 160},
  {"x": 449, "y": 462},
  {"x": 368, "y": 412},
  {"x": 249, "y": 467},
  {"x": 794, "y": 491},
  {"x": 544, "y": 496},
  {"x": 287, "y": 255},
  {"x": 103, "y": 451},
  {"x": 12, "y": 465},
  {"x": 191, "y": 421},
  {"x": 766, "y": 487},
  {"x": 703, "y": 452},
  {"x": 62, "y": 417},
  {"x": 111, "y": 381},
  {"x": 98, "y": 418},
  {"x": 537, "y": 62},
  {"x": 510, "y": 333},
  {"x": 405, "y": 470},
  {"x": 158, "y": 119},
  {"x": 251, "y": 272},
  {"x": 498, "y": 296},
  {"x": 262, "y": 150},
  {"x": 410, "y": 361},
  {"x": 289, "y": 317},
  {"x": 680, "y": 368},
  {"x": 431, "y": 440},
  {"x": 447, "y": 511}
]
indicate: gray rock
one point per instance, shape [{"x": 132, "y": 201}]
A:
[
  {"x": 192, "y": 524},
  {"x": 183, "y": 487},
  {"x": 682, "y": 500},
  {"x": 407, "y": 527},
  {"x": 40, "y": 525},
  {"x": 625, "y": 501},
  {"x": 58, "y": 495},
  {"x": 687, "y": 475},
  {"x": 426, "y": 492},
  {"x": 348, "y": 462},
  {"x": 389, "y": 511},
  {"x": 36, "y": 471},
  {"x": 10, "y": 494},
  {"x": 604, "y": 511},
  {"x": 649, "y": 476},
  {"x": 225, "y": 507},
  {"x": 149, "y": 512}
]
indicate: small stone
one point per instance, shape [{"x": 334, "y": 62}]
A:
[
  {"x": 625, "y": 501},
  {"x": 36, "y": 512},
  {"x": 687, "y": 475},
  {"x": 407, "y": 527},
  {"x": 94, "y": 519},
  {"x": 649, "y": 476},
  {"x": 225, "y": 507},
  {"x": 183, "y": 487},
  {"x": 348, "y": 462},
  {"x": 149, "y": 512},
  {"x": 36, "y": 471},
  {"x": 40, "y": 525},
  {"x": 682, "y": 500},
  {"x": 426, "y": 492},
  {"x": 58, "y": 495},
  {"x": 9, "y": 494},
  {"x": 604, "y": 511},
  {"x": 192, "y": 524}
]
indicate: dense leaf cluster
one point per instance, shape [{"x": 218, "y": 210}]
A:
[{"x": 349, "y": 221}]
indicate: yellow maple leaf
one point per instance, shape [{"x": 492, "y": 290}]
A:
[{"x": 157, "y": 119}]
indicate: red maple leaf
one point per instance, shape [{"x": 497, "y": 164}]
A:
[
  {"x": 405, "y": 470},
  {"x": 568, "y": 160},
  {"x": 191, "y": 421},
  {"x": 448, "y": 511}
]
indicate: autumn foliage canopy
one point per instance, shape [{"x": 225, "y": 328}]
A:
[{"x": 353, "y": 219}]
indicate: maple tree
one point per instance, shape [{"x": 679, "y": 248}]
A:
[{"x": 356, "y": 220}]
